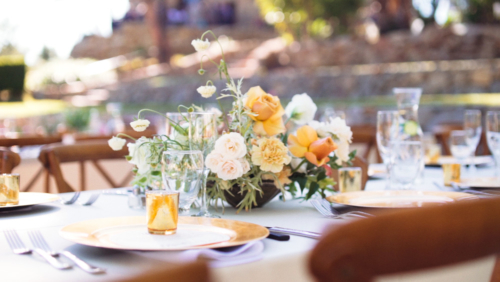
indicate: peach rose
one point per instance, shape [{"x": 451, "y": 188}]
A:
[
  {"x": 306, "y": 144},
  {"x": 268, "y": 112}
]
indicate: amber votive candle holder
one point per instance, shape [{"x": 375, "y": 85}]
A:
[
  {"x": 349, "y": 179},
  {"x": 9, "y": 189},
  {"x": 162, "y": 209},
  {"x": 451, "y": 173}
]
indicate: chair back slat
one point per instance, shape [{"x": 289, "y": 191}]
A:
[{"x": 9, "y": 160}]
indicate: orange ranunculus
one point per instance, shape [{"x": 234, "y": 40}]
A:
[
  {"x": 306, "y": 144},
  {"x": 268, "y": 110}
]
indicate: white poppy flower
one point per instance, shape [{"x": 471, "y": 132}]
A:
[
  {"x": 206, "y": 91},
  {"x": 342, "y": 152},
  {"x": 200, "y": 45},
  {"x": 140, "y": 153},
  {"x": 116, "y": 143},
  {"x": 338, "y": 127},
  {"x": 140, "y": 124},
  {"x": 301, "y": 109}
]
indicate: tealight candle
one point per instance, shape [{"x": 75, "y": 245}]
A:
[
  {"x": 451, "y": 173},
  {"x": 9, "y": 189}
]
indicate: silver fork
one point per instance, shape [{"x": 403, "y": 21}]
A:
[
  {"x": 92, "y": 199},
  {"x": 329, "y": 207},
  {"x": 41, "y": 243},
  {"x": 38, "y": 248},
  {"x": 16, "y": 245},
  {"x": 72, "y": 200},
  {"x": 328, "y": 213}
]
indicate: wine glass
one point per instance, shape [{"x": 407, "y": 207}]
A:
[
  {"x": 473, "y": 130},
  {"x": 387, "y": 132},
  {"x": 459, "y": 147},
  {"x": 182, "y": 172},
  {"x": 407, "y": 160},
  {"x": 202, "y": 137},
  {"x": 493, "y": 136}
]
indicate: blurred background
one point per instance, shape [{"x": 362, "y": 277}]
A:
[{"x": 104, "y": 60}]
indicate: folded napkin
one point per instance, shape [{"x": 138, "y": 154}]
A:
[{"x": 223, "y": 257}]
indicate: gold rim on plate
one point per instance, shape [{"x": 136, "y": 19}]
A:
[
  {"x": 398, "y": 198},
  {"x": 478, "y": 160},
  {"x": 96, "y": 232},
  {"x": 479, "y": 182},
  {"x": 27, "y": 199}
]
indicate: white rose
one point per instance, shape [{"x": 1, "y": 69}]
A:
[
  {"x": 342, "y": 152},
  {"x": 230, "y": 170},
  {"x": 336, "y": 126},
  {"x": 206, "y": 91},
  {"x": 301, "y": 109},
  {"x": 140, "y": 153},
  {"x": 116, "y": 143},
  {"x": 200, "y": 45},
  {"x": 140, "y": 124},
  {"x": 245, "y": 165},
  {"x": 296, "y": 162},
  {"x": 231, "y": 145},
  {"x": 213, "y": 161}
]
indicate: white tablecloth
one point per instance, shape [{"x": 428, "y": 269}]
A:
[{"x": 283, "y": 261}]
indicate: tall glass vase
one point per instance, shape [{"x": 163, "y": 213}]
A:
[{"x": 408, "y": 100}]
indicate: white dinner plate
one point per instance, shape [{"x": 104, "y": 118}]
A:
[
  {"x": 398, "y": 198},
  {"x": 479, "y": 182},
  {"x": 27, "y": 199}
]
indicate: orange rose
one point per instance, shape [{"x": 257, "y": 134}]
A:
[
  {"x": 268, "y": 110},
  {"x": 306, "y": 144}
]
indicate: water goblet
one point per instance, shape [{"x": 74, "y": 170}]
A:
[
  {"x": 202, "y": 136},
  {"x": 182, "y": 172},
  {"x": 459, "y": 147},
  {"x": 387, "y": 132},
  {"x": 493, "y": 137},
  {"x": 473, "y": 130},
  {"x": 176, "y": 129},
  {"x": 407, "y": 159}
]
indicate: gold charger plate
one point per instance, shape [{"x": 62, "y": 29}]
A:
[
  {"x": 479, "y": 182},
  {"x": 98, "y": 232},
  {"x": 27, "y": 199},
  {"x": 398, "y": 199}
]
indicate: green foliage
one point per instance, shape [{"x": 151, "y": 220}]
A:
[
  {"x": 12, "y": 73},
  {"x": 77, "y": 119},
  {"x": 481, "y": 11},
  {"x": 317, "y": 18}
]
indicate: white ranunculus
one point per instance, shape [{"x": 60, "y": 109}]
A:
[
  {"x": 116, "y": 143},
  {"x": 296, "y": 162},
  {"x": 213, "y": 161},
  {"x": 338, "y": 127},
  {"x": 342, "y": 152},
  {"x": 231, "y": 146},
  {"x": 140, "y": 124},
  {"x": 200, "y": 45},
  {"x": 206, "y": 91},
  {"x": 230, "y": 170},
  {"x": 245, "y": 165},
  {"x": 301, "y": 109},
  {"x": 140, "y": 153}
]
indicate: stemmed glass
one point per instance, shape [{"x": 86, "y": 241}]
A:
[
  {"x": 408, "y": 157},
  {"x": 176, "y": 129},
  {"x": 182, "y": 172},
  {"x": 459, "y": 147},
  {"x": 493, "y": 136},
  {"x": 387, "y": 132},
  {"x": 202, "y": 137},
  {"x": 473, "y": 130}
]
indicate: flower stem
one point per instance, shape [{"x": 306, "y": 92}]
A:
[
  {"x": 126, "y": 135},
  {"x": 148, "y": 110}
]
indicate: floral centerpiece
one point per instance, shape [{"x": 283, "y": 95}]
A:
[{"x": 261, "y": 142}]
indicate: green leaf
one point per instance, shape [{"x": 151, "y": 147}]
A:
[
  {"x": 128, "y": 158},
  {"x": 143, "y": 180},
  {"x": 313, "y": 188},
  {"x": 156, "y": 173},
  {"x": 321, "y": 175},
  {"x": 302, "y": 181}
]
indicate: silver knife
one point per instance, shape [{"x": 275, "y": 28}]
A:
[
  {"x": 288, "y": 231},
  {"x": 82, "y": 264}
]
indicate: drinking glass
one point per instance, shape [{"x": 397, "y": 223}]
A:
[
  {"x": 176, "y": 129},
  {"x": 387, "y": 132},
  {"x": 350, "y": 179},
  {"x": 459, "y": 147},
  {"x": 9, "y": 189},
  {"x": 202, "y": 137},
  {"x": 407, "y": 160},
  {"x": 473, "y": 130},
  {"x": 182, "y": 172},
  {"x": 162, "y": 210},
  {"x": 493, "y": 136}
]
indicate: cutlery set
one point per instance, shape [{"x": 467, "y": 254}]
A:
[
  {"x": 325, "y": 208},
  {"x": 41, "y": 248},
  {"x": 75, "y": 197}
]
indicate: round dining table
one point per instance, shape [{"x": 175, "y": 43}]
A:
[{"x": 280, "y": 260}]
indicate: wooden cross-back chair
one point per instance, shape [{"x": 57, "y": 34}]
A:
[
  {"x": 442, "y": 134},
  {"x": 53, "y": 155},
  {"x": 191, "y": 272},
  {"x": 8, "y": 160},
  {"x": 366, "y": 134},
  {"x": 409, "y": 240}
]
